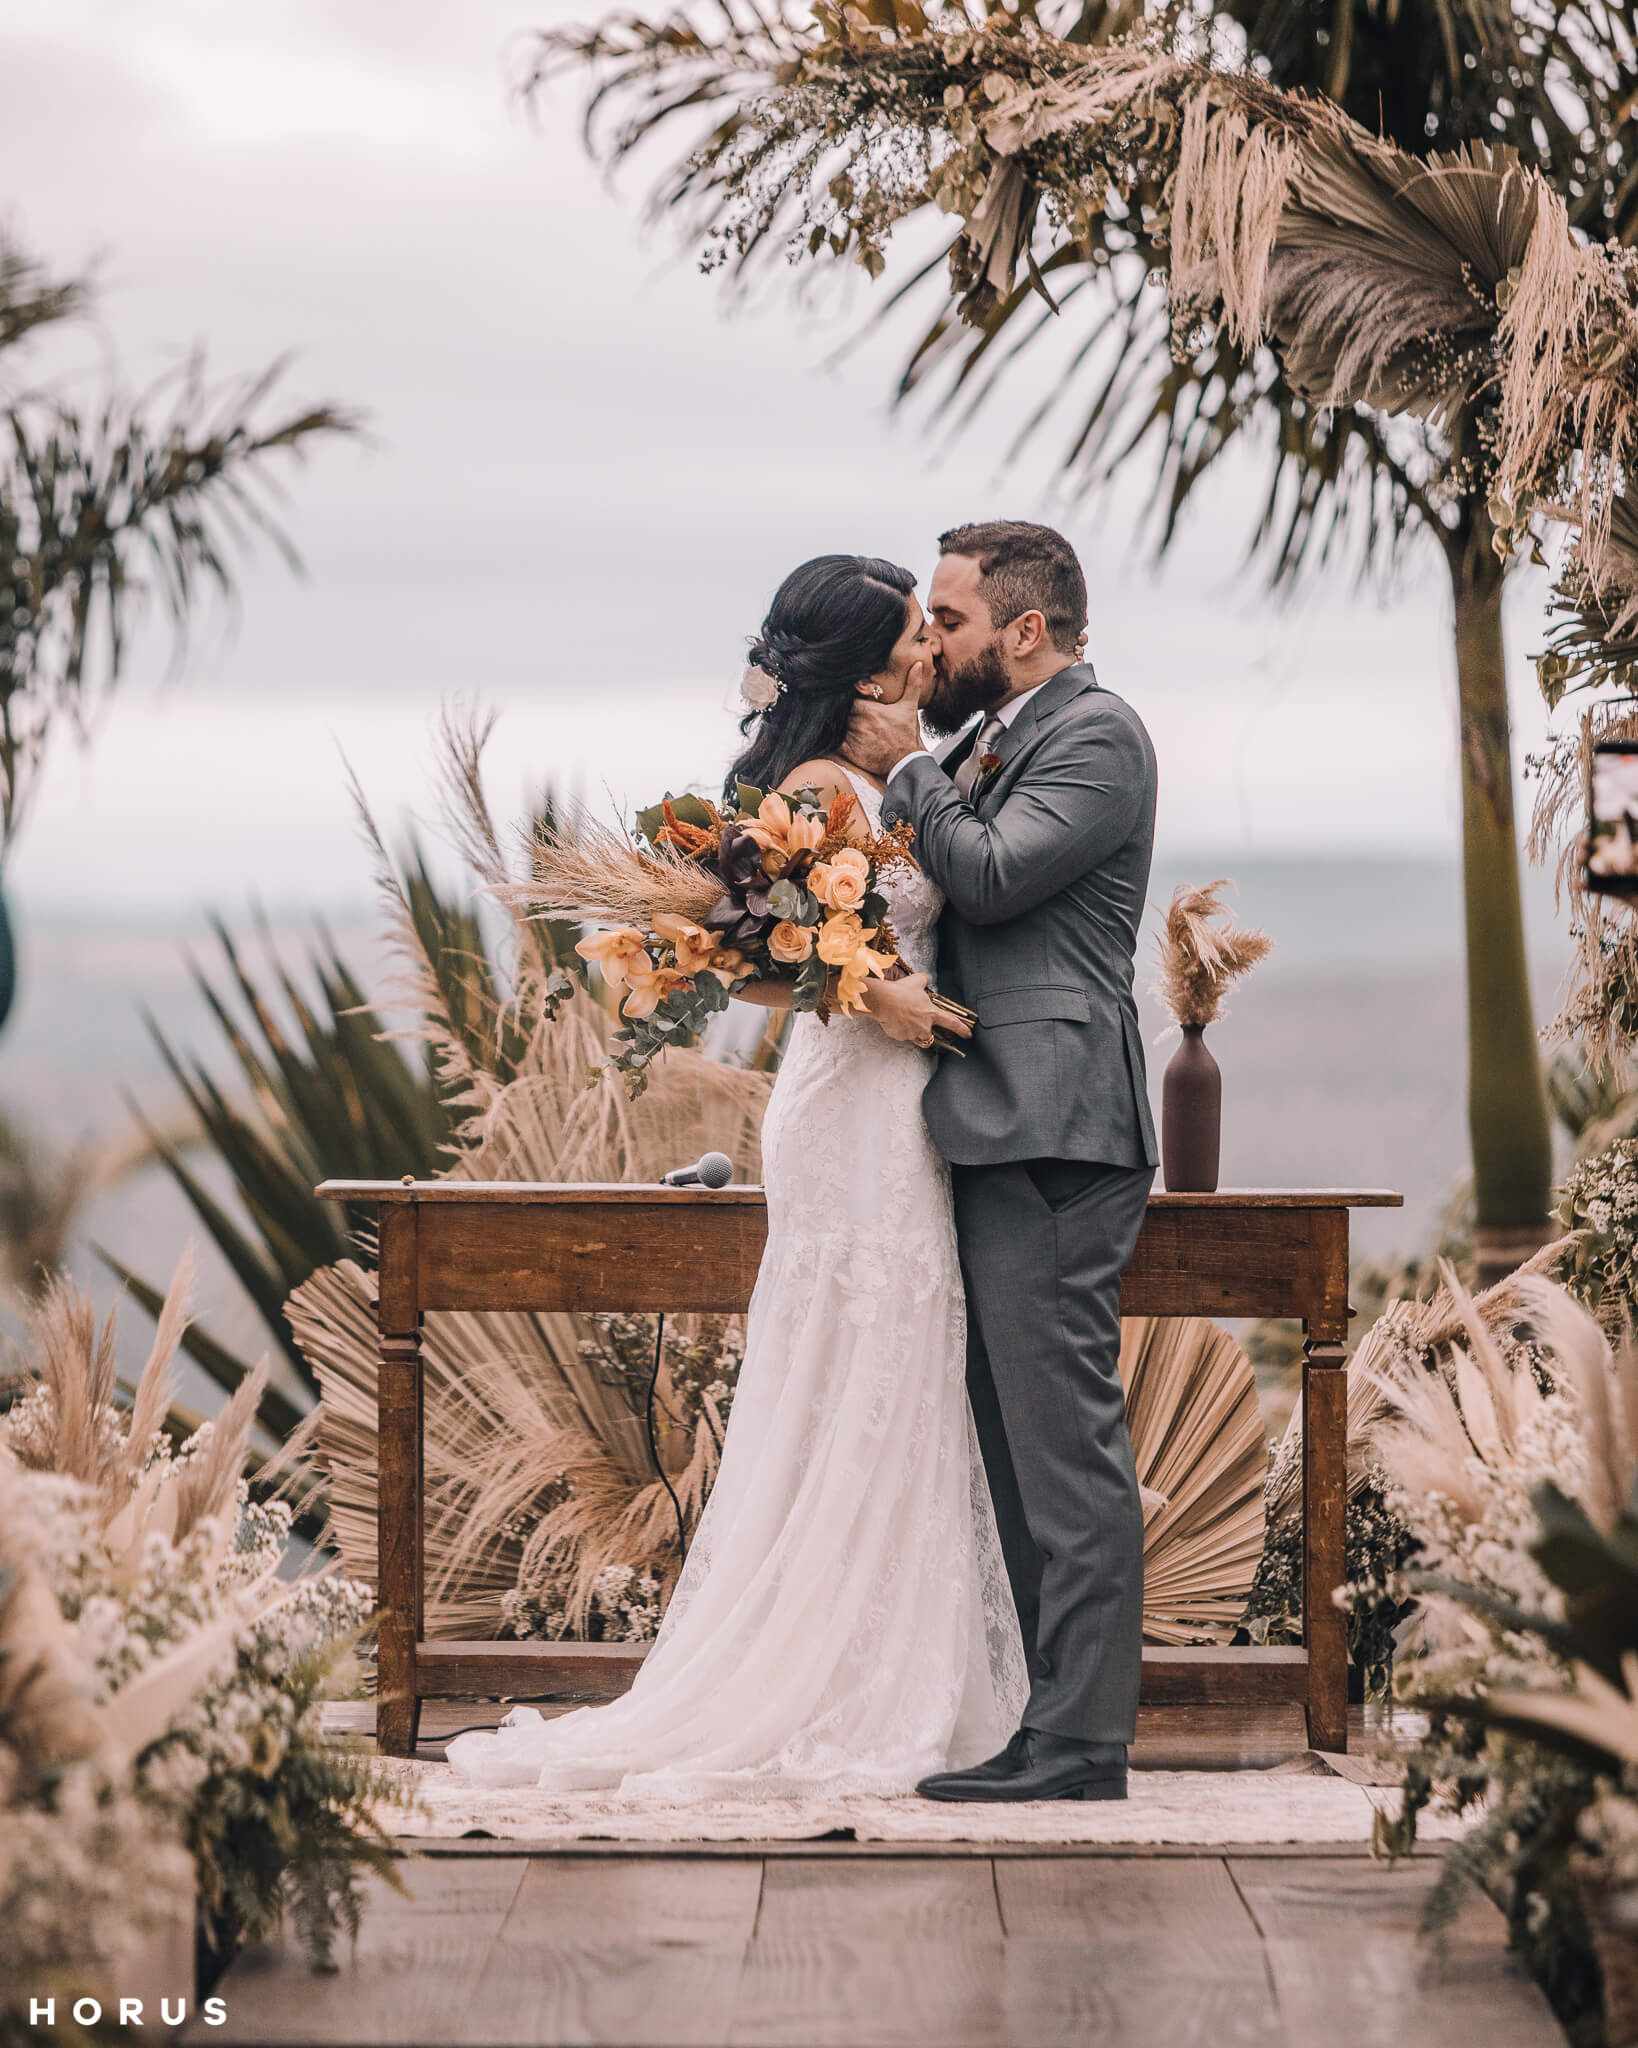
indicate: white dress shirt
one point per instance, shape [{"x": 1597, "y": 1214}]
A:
[{"x": 1005, "y": 712}]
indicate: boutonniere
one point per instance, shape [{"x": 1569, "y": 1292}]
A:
[{"x": 988, "y": 762}]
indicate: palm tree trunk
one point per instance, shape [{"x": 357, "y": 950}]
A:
[{"x": 1506, "y": 1103}]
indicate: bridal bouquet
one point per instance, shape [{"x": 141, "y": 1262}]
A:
[{"x": 702, "y": 901}]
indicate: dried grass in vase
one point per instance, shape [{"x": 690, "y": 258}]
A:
[{"x": 1201, "y": 954}]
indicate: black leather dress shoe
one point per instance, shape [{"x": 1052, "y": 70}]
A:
[{"x": 1035, "y": 1765}]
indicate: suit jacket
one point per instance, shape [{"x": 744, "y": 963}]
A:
[{"x": 1044, "y": 876}]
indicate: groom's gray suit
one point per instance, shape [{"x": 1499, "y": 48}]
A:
[{"x": 1046, "y": 1124}]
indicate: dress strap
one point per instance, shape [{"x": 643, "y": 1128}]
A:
[{"x": 869, "y": 796}]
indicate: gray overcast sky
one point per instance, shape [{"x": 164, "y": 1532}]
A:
[{"x": 584, "y": 479}]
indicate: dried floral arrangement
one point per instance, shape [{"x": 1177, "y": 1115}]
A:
[
  {"x": 161, "y": 1682},
  {"x": 1201, "y": 954},
  {"x": 1507, "y": 1435}
]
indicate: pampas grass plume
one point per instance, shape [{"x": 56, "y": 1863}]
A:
[{"x": 1201, "y": 954}]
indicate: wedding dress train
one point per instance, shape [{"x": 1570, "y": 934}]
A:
[{"x": 843, "y": 1623}]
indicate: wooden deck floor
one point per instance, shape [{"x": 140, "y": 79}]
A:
[
  {"x": 876, "y": 1945},
  {"x": 809, "y": 1947}
]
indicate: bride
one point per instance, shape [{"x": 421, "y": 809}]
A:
[{"x": 843, "y": 1623}]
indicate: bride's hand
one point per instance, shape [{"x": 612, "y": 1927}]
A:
[{"x": 904, "y": 1009}]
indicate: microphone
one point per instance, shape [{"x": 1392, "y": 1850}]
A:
[{"x": 713, "y": 1170}]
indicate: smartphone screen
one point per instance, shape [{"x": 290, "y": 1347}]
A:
[{"x": 1612, "y": 827}]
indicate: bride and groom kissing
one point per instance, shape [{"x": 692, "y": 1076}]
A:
[{"x": 921, "y": 1564}]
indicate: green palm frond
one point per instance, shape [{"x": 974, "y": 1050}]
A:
[{"x": 144, "y": 498}]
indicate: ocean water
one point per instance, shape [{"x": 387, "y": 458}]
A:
[{"x": 1343, "y": 1055}]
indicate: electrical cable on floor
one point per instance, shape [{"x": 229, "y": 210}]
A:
[
  {"x": 653, "y": 1447},
  {"x": 487, "y": 1727}
]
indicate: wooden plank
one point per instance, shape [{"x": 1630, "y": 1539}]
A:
[
  {"x": 618, "y": 1951},
  {"x": 411, "y": 1979},
  {"x": 874, "y": 1953},
  {"x": 635, "y": 1255},
  {"x": 1047, "y": 1899},
  {"x": 1224, "y": 1736},
  {"x": 1254, "y": 1675},
  {"x": 617, "y": 1191},
  {"x": 1131, "y": 1951},
  {"x": 600, "y": 1671},
  {"x": 1324, "y": 1511},
  {"x": 1249, "y": 1676},
  {"x": 1341, "y": 1939},
  {"x": 1244, "y": 1259},
  {"x": 400, "y": 1489}
]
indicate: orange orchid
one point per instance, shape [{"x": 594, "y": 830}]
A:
[
  {"x": 692, "y": 944},
  {"x": 622, "y": 954},
  {"x": 649, "y": 990},
  {"x": 841, "y": 936},
  {"x": 855, "y": 975},
  {"x": 807, "y": 829},
  {"x": 772, "y": 825}
]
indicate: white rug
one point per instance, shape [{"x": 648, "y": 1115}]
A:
[{"x": 1194, "y": 1808}]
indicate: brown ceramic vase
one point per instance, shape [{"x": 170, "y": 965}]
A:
[{"x": 1191, "y": 1116}]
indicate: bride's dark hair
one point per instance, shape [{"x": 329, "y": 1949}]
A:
[{"x": 832, "y": 622}]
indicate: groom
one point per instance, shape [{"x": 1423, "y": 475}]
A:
[{"x": 1038, "y": 824}]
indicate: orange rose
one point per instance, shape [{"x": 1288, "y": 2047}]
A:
[
  {"x": 693, "y": 946},
  {"x": 789, "y": 943},
  {"x": 621, "y": 954},
  {"x": 841, "y": 881}
]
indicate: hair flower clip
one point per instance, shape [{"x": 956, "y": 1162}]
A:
[{"x": 759, "y": 689}]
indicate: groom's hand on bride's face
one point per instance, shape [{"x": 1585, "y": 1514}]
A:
[{"x": 878, "y": 735}]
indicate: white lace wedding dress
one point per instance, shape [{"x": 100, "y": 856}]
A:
[{"x": 843, "y": 1623}]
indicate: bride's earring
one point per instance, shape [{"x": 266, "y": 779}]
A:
[{"x": 875, "y": 689}]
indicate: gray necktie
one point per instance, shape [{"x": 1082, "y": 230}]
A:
[{"x": 988, "y": 733}]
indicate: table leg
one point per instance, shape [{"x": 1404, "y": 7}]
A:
[
  {"x": 398, "y": 1480},
  {"x": 1324, "y": 1506}
]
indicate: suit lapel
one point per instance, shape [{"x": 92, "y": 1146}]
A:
[{"x": 1056, "y": 691}]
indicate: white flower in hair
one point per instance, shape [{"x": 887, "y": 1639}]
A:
[{"x": 758, "y": 688}]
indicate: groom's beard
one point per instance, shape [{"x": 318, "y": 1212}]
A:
[{"x": 959, "y": 692}]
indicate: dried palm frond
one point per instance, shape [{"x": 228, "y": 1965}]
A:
[
  {"x": 1197, "y": 1440},
  {"x": 1199, "y": 958},
  {"x": 513, "y": 1403}
]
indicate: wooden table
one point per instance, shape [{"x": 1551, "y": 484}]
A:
[{"x": 522, "y": 1245}]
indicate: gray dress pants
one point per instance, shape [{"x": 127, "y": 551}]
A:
[{"x": 1043, "y": 1245}]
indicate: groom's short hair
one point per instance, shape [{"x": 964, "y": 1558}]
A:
[{"x": 1024, "y": 568}]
